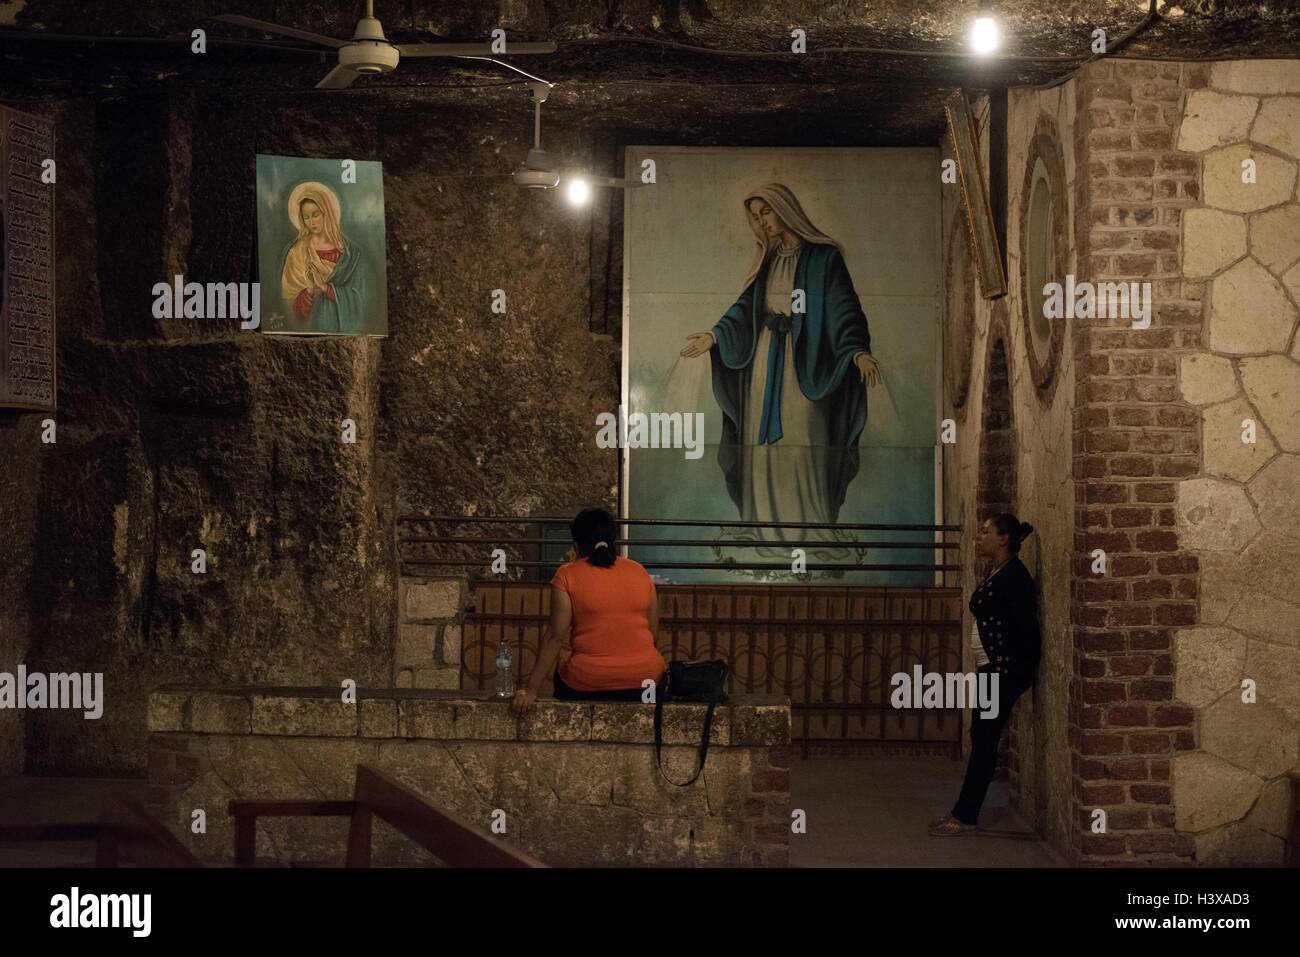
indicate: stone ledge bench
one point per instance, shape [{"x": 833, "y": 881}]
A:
[{"x": 574, "y": 783}]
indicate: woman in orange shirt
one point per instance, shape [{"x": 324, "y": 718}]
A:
[{"x": 613, "y": 610}]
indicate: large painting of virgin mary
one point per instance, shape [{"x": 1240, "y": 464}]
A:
[
  {"x": 321, "y": 246},
  {"x": 814, "y": 303}
]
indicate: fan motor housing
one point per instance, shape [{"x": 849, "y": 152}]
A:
[{"x": 369, "y": 56}]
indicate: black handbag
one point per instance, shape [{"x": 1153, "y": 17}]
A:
[{"x": 698, "y": 681}]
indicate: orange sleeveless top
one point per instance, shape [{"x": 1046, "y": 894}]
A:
[{"x": 612, "y": 644}]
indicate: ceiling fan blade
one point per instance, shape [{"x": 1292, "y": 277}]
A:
[
  {"x": 338, "y": 78},
  {"x": 471, "y": 49},
  {"x": 264, "y": 27}
]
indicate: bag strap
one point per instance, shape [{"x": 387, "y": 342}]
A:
[{"x": 704, "y": 743}]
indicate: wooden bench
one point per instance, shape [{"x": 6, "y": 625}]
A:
[
  {"x": 454, "y": 841},
  {"x": 123, "y": 822},
  {"x": 1293, "y": 823}
]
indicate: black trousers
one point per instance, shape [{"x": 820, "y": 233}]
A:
[
  {"x": 984, "y": 736},
  {"x": 564, "y": 693}
]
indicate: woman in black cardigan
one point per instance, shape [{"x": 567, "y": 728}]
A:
[{"x": 1005, "y": 606}]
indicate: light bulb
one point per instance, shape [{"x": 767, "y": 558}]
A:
[
  {"x": 984, "y": 37},
  {"x": 578, "y": 191}
]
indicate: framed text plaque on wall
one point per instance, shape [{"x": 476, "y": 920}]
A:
[{"x": 27, "y": 356}]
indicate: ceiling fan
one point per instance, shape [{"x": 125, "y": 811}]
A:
[
  {"x": 540, "y": 170},
  {"x": 369, "y": 50}
]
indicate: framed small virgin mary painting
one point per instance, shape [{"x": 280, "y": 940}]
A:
[{"x": 321, "y": 249}]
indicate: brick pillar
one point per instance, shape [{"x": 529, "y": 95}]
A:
[{"x": 1134, "y": 439}]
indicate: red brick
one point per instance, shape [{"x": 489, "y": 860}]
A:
[
  {"x": 1102, "y": 794},
  {"x": 1151, "y": 689},
  {"x": 1123, "y": 566},
  {"x": 1128, "y": 819},
  {"x": 1096, "y": 440},
  {"x": 1103, "y": 691},
  {"x": 1148, "y": 743},
  {"x": 1155, "y": 390},
  {"x": 1151, "y": 794},
  {"x": 1130, "y": 517},
  {"x": 1105, "y": 591},
  {"x": 1149, "y": 640},
  {"x": 1171, "y": 715},
  {"x": 1175, "y": 416},
  {"x": 1178, "y": 565},
  {"x": 1179, "y": 466},
  {"x": 1127, "y": 716},
  {"x": 1152, "y": 588},
  {"x": 1182, "y": 613},
  {"x": 1097, "y": 743},
  {"x": 1132, "y": 465},
  {"x": 779, "y": 757},
  {"x": 1103, "y": 641},
  {"x": 1102, "y": 844},
  {"x": 1130, "y": 666},
  {"x": 1128, "y": 415},
  {"x": 1129, "y": 615},
  {"x": 1127, "y": 769},
  {"x": 1157, "y": 541}
]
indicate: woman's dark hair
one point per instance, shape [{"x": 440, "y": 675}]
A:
[
  {"x": 1016, "y": 531},
  {"x": 594, "y": 532}
]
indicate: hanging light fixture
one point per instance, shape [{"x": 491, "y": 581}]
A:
[{"x": 984, "y": 34}]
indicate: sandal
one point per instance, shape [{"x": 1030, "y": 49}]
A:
[{"x": 949, "y": 826}]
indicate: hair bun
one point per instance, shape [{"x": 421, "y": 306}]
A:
[{"x": 1025, "y": 529}]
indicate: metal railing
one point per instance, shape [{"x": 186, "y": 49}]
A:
[{"x": 832, "y": 649}]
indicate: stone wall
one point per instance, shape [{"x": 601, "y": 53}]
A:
[
  {"x": 577, "y": 781},
  {"x": 1199, "y": 526},
  {"x": 429, "y": 633},
  {"x": 181, "y": 434},
  {"x": 1023, "y": 462},
  {"x": 1239, "y": 512}
]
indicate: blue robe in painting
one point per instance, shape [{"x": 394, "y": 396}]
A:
[
  {"x": 347, "y": 311},
  {"x": 825, "y": 337}
]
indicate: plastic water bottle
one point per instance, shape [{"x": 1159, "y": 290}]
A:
[{"x": 505, "y": 683}]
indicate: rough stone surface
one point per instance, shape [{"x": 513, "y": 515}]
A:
[
  {"x": 1272, "y": 384},
  {"x": 416, "y": 645},
  {"x": 1211, "y": 791},
  {"x": 1249, "y": 311},
  {"x": 1205, "y": 378},
  {"x": 1274, "y": 491},
  {"x": 1208, "y": 663},
  {"x": 1273, "y": 668},
  {"x": 1238, "y": 845},
  {"x": 432, "y": 600},
  {"x": 569, "y": 800},
  {"x": 1278, "y": 125},
  {"x": 1226, "y": 454},
  {"x": 1275, "y": 237},
  {"x": 1212, "y": 239},
  {"x": 1257, "y": 737},
  {"x": 1224, "y": 189},
  {"x": 1260, "y": 77},
  {"x": 1215, "y": 515},
  {"x": 1271, "y": 810},
  {"x": 1272, "y": 619},
  {"x": 1214, "y": 119}
]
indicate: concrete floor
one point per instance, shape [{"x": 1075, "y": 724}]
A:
[
  {"x": 862, "y": 812},
  {"x": 873, "y": 812}
]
